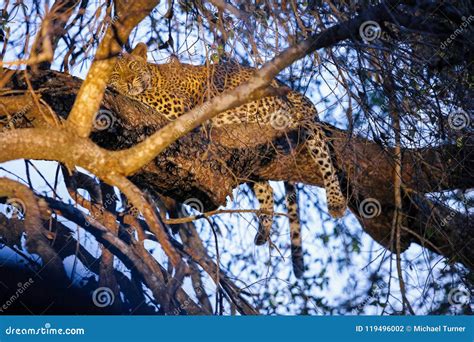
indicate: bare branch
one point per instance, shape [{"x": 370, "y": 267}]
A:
[
  {"x": 22, "y": 199},
  {"x": 92, "y": 90}
]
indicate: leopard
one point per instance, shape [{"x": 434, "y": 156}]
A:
[{"x": 173, "y": 88}]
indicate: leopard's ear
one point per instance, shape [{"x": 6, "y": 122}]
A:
[{"x": 140, "y": 50}]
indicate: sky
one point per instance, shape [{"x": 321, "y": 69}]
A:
[{"x": 237, "y": 234}]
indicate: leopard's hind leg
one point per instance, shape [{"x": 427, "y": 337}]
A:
[
  {"x": 319, "y": 151},
  {"x": 264, "y": 193}
]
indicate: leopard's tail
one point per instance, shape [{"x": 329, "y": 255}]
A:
[{"x": 295, "y": 230}]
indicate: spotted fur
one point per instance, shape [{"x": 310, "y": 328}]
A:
[
  {"x": 295, "y": 229},
  {"x": 264, "y": 193},
  {"x": 174, "y": 88}
]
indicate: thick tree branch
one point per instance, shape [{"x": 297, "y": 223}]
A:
[
  {"x": 252, "y": 89},
  {"x": 195, "y": 172}
]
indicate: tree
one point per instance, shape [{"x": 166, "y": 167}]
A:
[{"x": 395, "y": 88}]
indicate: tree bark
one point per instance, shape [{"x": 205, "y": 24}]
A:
[{"x": 208, "y": 163}]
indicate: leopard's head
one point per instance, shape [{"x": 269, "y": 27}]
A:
[{"x": 131, "y": 75}]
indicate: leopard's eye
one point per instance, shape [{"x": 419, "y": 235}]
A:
[
  {"x": 134, "y": 66},
  {"x": 114, "y": 78}
]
